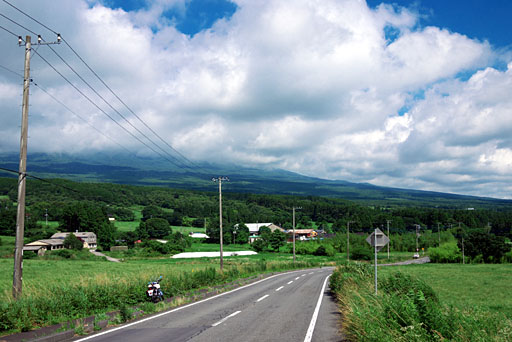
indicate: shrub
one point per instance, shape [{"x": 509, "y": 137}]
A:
[
  {"x": 258, "y": 245},
  {"x": 325, "y": 249},
  {"x": 446, "y": 253},
  {"x": 361, "y": 253},
  {"x": 72, "y": 242}
]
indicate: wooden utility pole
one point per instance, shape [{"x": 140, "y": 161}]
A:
[
  {"x": 220, "y": 179},
  {"x": 388, "y": 221},
  {"x": 348, "y": 238},
  {"x": 293, "y": 225},
  {"x": 17, "y": 284}
]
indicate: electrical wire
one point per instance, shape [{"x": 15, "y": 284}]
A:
[
  {"x": 114, "y": 109},
  {"x": 110, "y": 89},
  {"x": 40, "y": 179},
  {"x": 100, "y": 109},
  {"x": 11, "y": 71},
  {"x": 80, "y": 117},
  {"x": 7, "y": 30},
  {"x": 23, "y": 27}
]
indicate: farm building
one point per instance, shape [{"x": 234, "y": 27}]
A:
[
  {"x": 41, "y": 246},
  {"x": 88, "y": 238}
]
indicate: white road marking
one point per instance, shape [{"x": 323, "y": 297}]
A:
[
  {"x": 259, "y": 300},
  {"x": 311, "y": 272},
  {"x": 303, "y": 275},
  {"x": 226, "y": 318},
  {"x": 181, "y": 308},
  {"x": 279, "y": 288},
  {"x": 309, "y": 334},
  {"x": 297, "y": 278},
  {"x": 288, "y": 283}
]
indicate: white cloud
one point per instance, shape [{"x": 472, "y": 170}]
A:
[{"x": 316, "y": 87}]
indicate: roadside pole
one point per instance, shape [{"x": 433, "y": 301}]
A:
[
  {"x": 220, "y": 179},
  {"x": 17, "y": 282},
  {"x": 375, "y": 243}
]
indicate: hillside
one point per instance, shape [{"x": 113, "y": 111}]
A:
[{"x": 124, "y": 169}]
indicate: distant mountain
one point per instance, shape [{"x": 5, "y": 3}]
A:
[{"x": 125, "y": 169}]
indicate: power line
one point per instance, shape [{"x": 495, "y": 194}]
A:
[
  {"x": 11, "y": 71},
  {"x": 46, "y": 27},
  {"x": 14, "y": 22},
  {"x": 40, "y": 179},
  {"x": 78, "y": 116},
  {"x": 14, "y": 34},
  {"x": 112, "y": 107},
  {"x": 110, "y": 89},
  {"x": 100, "y": 109}
]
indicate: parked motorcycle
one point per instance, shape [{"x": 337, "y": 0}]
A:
[{"x": 154, "y": 292}]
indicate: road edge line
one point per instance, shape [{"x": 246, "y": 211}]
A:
[{"x": 309, "y": 334}]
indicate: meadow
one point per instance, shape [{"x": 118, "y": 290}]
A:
[{"x": 485, "y": 286}]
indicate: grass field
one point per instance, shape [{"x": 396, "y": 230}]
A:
[
  {"x": 486, "y": 286},
  {"x": 129, "y": 226}
]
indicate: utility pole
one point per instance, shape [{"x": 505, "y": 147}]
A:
[
  {"x": 348, "y": 239},
  {"x": 388, "y": 221},
  {"x": 17, "y": 284},
  {"x": 417, "y": 235},
  {"x": 220, "y": 179},
  {"x": 46, "y": 217},
  {"x": 438, "y": 234},
  {"x": 293, "y": 225},
  {"x": 462, "y": 237},
  {"x": 17, "y": 281}
]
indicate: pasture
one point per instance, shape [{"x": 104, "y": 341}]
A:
[{"x": 485, "y": 286}]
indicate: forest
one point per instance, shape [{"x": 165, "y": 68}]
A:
[{"x": 58, "y": 198}]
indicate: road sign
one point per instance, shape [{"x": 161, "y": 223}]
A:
[{"x": 381, "y": 241}]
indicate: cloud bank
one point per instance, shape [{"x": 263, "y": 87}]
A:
[{"x": 331, "y": 89}]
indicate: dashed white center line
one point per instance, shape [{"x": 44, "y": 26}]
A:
[
  {"x": 297, "y": 278},
  {"x": 279, "y": 288},
  {"x": 226, "y": 318},
  {"x": 303, "y": 275},
  {"x": 259, "y": 300},
  {"x": 288, "y": 283},
  {"x": 310, "y": 272}
]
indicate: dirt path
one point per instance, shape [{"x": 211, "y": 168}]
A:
[{"x": 103, "y": 255}]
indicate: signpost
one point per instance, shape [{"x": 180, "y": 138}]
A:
[{"x": 377, "y": 239}]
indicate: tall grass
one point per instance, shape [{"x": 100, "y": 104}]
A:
[
  {"x": 407, "y": 309},
  {"x": 87, "y": 295}
]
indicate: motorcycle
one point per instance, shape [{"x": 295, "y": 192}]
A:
[{"x": 154, "y": 292}]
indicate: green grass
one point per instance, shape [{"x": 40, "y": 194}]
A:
[
  {"x": 51, "y": 224},
  {"x": 485, "y": 286},
  {"x": 7, "y": 246},
  {"x": 186, "y": 230},
  {"x": 126, "y": 226}
]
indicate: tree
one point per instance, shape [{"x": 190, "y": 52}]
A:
[
  {"x": 90, "y": 217},
  {"x": 258, "y": 245},
  {"x": 491, "y": 247},
  {"x": 73, "y": 242},
  {"x": 277, "y": 239},
  {"x": 157, "y": 227}
]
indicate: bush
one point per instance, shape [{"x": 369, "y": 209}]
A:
[
  {"x": 72, "y": 242},
  {"x": 361, "y": 253},
  {"x": 326, "y": 250},
  {"x": 446, "y": 253},
  {"x": 258, "y": 245}
]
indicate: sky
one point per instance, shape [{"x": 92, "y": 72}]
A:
[{"x": 407, "y": 94}]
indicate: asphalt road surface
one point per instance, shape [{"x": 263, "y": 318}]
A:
[{"x": 294, "y": 306}]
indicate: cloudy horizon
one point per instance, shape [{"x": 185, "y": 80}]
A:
[{"x": 337, "y": 89}]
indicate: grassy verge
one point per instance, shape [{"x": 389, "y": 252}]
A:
[
  {"x": 408, "y": 309},
  {"x": 59, "y": 290}
]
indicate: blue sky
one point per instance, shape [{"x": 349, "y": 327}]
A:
[{"x": 480, "y": 19}]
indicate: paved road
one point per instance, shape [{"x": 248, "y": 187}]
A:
[{"x": 278, "y": 308}]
